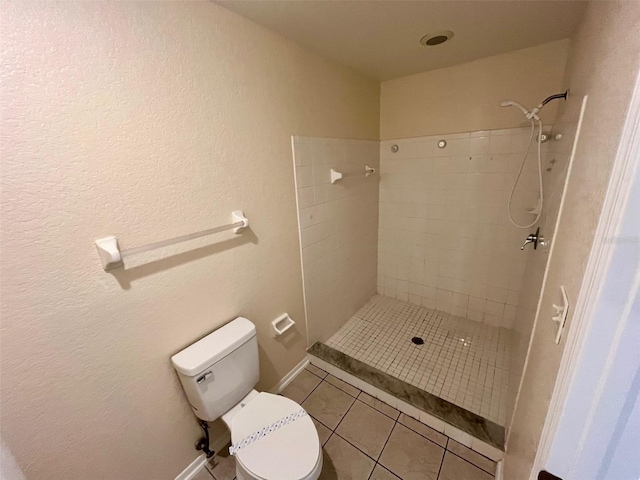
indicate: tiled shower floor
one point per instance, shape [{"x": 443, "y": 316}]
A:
[{"x": 461, "y": 361}]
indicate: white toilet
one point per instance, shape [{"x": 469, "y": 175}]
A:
[{"x": 218, "y": 374}]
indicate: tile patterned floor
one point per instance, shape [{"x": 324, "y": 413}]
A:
[
  {"x": 461, "y": 361},
  {"x": 365, "y": 439}
]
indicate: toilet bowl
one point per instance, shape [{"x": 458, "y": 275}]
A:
[
  {"x": 289, "y": 451},
  {"x": 272, "y": 436}
]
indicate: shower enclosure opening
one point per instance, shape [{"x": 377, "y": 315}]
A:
[{"x": 413, "y": 275}]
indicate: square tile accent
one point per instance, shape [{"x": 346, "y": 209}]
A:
[{"x": 461, "y": 361}]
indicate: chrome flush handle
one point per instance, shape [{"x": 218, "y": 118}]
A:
[
  {"x": 532, "y": 238},
  {"x": 204, "y": 377}
]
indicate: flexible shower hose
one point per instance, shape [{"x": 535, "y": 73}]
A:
[{"x": 515, "y": 183}]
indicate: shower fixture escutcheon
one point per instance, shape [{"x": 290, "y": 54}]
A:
[{"x": 545, "y": 137}]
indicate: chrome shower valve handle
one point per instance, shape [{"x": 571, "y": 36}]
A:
[{"x": 532, "y": 238}]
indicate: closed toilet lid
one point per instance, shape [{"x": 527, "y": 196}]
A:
[{"x": 289, "y": 452}]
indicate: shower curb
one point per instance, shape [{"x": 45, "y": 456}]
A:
[{"x": 481, "y": 429}]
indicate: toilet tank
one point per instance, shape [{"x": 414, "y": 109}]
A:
[{"x": 220, "y": 369}]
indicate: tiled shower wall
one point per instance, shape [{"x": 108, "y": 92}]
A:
[
  {"x": 445, "y": 241},
  {"x": 338, "y": 229}
]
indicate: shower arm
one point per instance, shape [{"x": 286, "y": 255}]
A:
[
  {"x": 536, "y": 110},
  {"x": 554, "y": 97}
]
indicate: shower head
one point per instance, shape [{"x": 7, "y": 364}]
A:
[
  {"x": 511, "y": 103},
  {"x": 533, "y": 114}
]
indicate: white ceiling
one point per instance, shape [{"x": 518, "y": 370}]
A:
[{"x": 381, "y": 38}]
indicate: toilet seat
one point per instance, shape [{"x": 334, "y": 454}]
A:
[{"x": 290, "y": 452}]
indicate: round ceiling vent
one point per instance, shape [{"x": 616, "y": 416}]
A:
[{"x": 436, "y": 38}]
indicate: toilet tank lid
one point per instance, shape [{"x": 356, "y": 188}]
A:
[{"x": 214, "y": 347}]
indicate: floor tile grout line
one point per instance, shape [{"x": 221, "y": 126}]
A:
[
  {"x": 357, "y": 448},
  {"x": 385, "y": 468},
  {"x": 469, "y": 448},
  {"x": 399, "y": 412},
  {"x": 325, "y": 426},
  {"x": 314, "y": 389},
  {"x": 310, "y": 393},
  {"x": 478, "y": 467},
  {"x": 335, "y": 431},
  {"x": 210, "y": 473},
  {"x": 396, "y": 421},
  {"x": 426, "y": 438},
  {"x": 444, "y": 454},
  {"x": 306, "y": 369},
  {"x": 414, "y": 405},
  {"x": 316, "y": 367},
  {"x": 383, "y": 447},
  {"x": 342, "y": 389},
  {"x": 345, "y": 415}
]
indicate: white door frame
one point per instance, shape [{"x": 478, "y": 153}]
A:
[{"x": 625, "y": 167}]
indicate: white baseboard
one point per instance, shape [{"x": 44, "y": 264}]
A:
[
  {"x": 288, "y": 378},
  {"x": 193, "y": 469}
]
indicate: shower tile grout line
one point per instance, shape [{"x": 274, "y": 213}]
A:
[{"x": 478, "y": 374}]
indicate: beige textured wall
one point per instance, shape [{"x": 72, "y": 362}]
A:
[
  {"x": 603, "y": 65},
  {"x": 146, "y": 121},
  {"x": 555, "y": 166},
  {"x": 466, "y": 97},
  {"x": 338, "y": 229}
]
